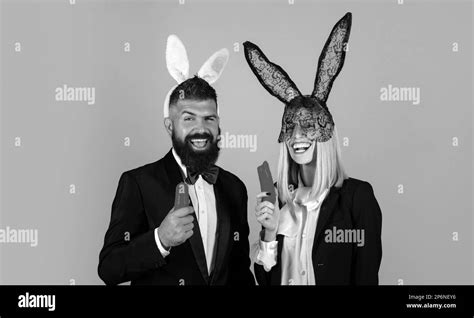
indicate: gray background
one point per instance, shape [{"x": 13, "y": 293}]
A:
[{"x": 390, "y": 143}]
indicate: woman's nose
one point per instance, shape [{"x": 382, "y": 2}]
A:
[{"x": 297, "y": 132}]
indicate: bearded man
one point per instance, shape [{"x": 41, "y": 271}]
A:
[{"x": 205, "y": 243}]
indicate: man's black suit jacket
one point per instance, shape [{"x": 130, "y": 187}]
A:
[
  {"x": 352, "y": 206},
  {"x": 144, "y": 197}
]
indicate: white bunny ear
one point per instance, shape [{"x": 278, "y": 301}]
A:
[
  {"x": 177, "y": 59},
  {"x": 212, "y": 69}
]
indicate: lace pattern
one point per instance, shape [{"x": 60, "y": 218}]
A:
[
  {"x": 309, "y": 111},
  {"x": 316, "y": 123},
  {"x": 332, "y": 58},
  {"x": 271, "y": 76}
]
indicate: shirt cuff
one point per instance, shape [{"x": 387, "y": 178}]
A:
[
  {"x": 267, "y": 254},
  {"x": 163, "y": 251}
]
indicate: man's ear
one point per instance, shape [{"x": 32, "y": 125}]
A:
[{"x": 168, "y": 125}]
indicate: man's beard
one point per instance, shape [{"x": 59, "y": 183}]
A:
[{"x": 196, "y": 161}]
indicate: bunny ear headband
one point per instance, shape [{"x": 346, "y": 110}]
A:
[
  {"x": 308, "y": 111},
  {"x": 178, "y": 66}
]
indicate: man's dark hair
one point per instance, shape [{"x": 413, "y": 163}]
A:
[{"x": 194, "y": 89}]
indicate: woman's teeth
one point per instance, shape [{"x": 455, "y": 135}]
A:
[
  {"x": 199, "y": 143},
  {"x": 301, "y": 147}
]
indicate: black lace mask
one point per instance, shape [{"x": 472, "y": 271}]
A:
[
  {"x": 309, "y": 111},
  {"x": 314, "y": 120}
]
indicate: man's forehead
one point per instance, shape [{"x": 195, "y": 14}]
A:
[{"x": 197, "y": 106}]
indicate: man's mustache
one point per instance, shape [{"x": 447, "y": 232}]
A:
[{"x": 199, "y": 136}]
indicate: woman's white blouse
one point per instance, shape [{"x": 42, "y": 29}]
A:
[{"x": 298, "y": 226}]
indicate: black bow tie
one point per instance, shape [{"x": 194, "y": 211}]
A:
[{"x": 210, "y": 175}]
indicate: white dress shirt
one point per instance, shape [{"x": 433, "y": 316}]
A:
[
  {"x": 204, "y": 203},
  {"x": 298, "y": 227}
]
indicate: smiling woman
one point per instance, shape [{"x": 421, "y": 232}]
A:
[
  {"x": 319, "y": 166},
  {"x": 314, "y": 191}
]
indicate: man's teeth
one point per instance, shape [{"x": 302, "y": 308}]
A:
[
  {"x": 301, "y": 147},
  {"x": 199, "y": 142}
]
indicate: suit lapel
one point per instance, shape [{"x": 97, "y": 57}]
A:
[
  {"x": 175, "y": 176},
  {"x": 198, "y": 250},
  {"x": 326, "y": 210},
  {"x": 276, "y": 275},
  {"x": 173, "y": 171},
  {"x": 222, "y": 231}
]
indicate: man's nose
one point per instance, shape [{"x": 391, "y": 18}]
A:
[{"x": 200, "y": 126}]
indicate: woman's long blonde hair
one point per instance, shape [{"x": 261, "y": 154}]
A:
[{"x": 329, "y": 169}]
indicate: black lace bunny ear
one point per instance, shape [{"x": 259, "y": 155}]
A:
[
  {"x": 275, "y": 80},
  {"x": 332, "y": 58}
]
